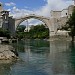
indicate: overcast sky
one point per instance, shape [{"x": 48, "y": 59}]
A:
[{"x": 19, "y": 8}]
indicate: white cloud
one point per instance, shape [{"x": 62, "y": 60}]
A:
[
  {"x": 53, "y": 5},
  {"x": 9, "y": 10},
  {"x": 16, "y": 12},
  {"x": 44, "y": 10},
  {"x": 10, "y": 4}
]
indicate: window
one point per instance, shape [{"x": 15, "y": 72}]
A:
[
  {"x": 66, "y": 13},
  {"x": 0, "y": 4}
]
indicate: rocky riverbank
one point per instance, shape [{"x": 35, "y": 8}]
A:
[{"x": 6, "y": 52}]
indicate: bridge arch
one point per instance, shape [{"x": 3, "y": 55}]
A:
[{"x": 41, "y": 18}]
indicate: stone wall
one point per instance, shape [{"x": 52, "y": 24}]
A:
[
  {"x": 59, "y": 18},
  {"x": 56, "y": 14},
  {"x": 1, "y": 7},
  {"x": 11, "y": 25}
]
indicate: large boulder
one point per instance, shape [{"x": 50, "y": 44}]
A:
[{"x": 6, "y": 52}]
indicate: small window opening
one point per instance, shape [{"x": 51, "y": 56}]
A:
[{"x": 66, "y": 13}]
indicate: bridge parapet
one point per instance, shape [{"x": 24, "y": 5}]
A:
[{"x": 32, "y": 16}]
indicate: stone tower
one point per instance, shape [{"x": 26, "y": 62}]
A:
[
  {"x": 1, "y": 20},
  {"x": 1, "y": 6}
]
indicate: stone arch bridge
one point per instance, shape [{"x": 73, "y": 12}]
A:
[{"x": 48, "y": 22}]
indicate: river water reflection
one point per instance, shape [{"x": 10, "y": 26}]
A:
[{"x": 41, "y": 57}]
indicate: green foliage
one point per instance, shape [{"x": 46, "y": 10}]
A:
[
  {"x": 20, "y": 35},
  {"x": 21, "y": 28},
  {"x": 20, "y": 31},
  {"x": 39, "y": 31},
  {"x": 71, "y": 21},
  {"x": 36, "y": 32},
  {"x": 4, "y": 33},
  {"x": 71, "y": 24}
]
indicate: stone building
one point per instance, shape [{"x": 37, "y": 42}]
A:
[
  {"x": 59, "y": 18},
  {"x": 1, "y": 20},
  {"x": 6, "y": 22}
]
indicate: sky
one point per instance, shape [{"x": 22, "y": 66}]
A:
[{"x": 19, "y": 8}]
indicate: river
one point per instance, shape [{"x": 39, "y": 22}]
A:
[{"x": 41, "y": 57}]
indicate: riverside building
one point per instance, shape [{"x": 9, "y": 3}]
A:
[
  {"x": 61, "y": 17},
  {"x": 6, "y": 22}
]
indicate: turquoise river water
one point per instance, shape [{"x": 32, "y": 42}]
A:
[{"x": 41, "y": 57}]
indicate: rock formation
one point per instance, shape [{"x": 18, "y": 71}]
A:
[{"x": 6, "y": 52}]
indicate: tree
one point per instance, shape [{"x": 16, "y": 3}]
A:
[
  {"x": 71, "y": 24},
  {"x": 21, "y": 28},
  {"x": 20, "y": 31},
  {"x": 4, "y": 33},
  {"x": 39, "y": 31}
]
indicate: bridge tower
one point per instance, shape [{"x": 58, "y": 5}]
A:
[{"x": 1, "y": 7}]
